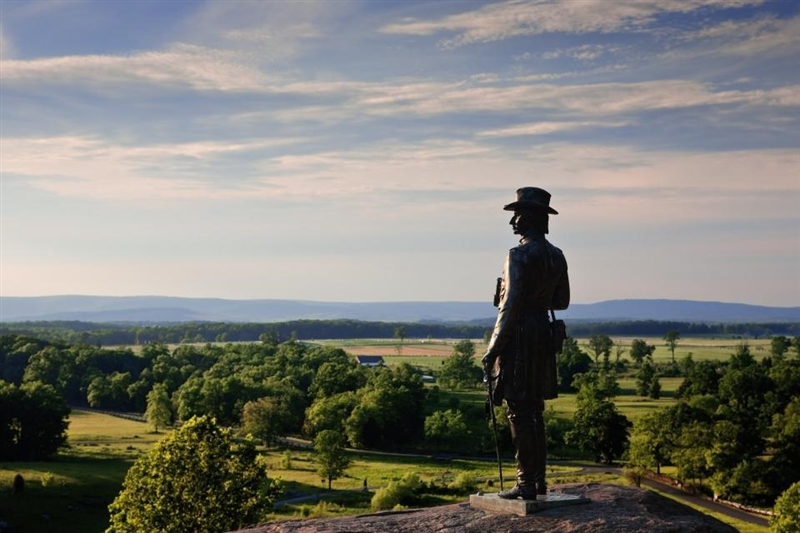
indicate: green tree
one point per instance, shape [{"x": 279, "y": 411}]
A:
[
  {"x": 596, "y": 386},
  {"x": 743, "y": 483},
  {"x": 657, "y": 435},
  {"x": 266, "y": 419},
  {"x": 334, "y": 377},
  {"x": 787, "y": 511},
  {"x": 329, "y": 412},
  {"x": 330, "y": 455},
  {"x": 786, "y": 443},
  {"x": 389, "y": 409},
  {"x": 645, "y": 378},
  {"x": 779, "y": 345},
  {"x": 671, "y": 338},
  {"x": 33, "y": 421},
  {"x": 689, "y": 455},
  {"x": 702, "y": 378},
  {"x": 199, "y": 478},
  {"x": 460, "y": 370},
  {"x": 601, "y": 345},
  {"x": 571, "y": 362},
  {"x": 400, "y": 335},
  {"x": 641, "y": 350},
  {"x": 446, "y": 429},
  {"x": 742, "y": 394},
  {"x": 655, "y": 388},
  {"x": 600, "y": 430},
  {"x": 159, "y": 407}
]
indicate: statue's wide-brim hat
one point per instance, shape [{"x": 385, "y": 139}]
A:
[{"x": 531, "y": 198}]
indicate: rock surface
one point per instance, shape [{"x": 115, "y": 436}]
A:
[{"x": 614, "y": 509}]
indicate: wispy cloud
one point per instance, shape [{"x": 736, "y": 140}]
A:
[
  {"x": 268, "y": 31},
  {"x": 763, "y": 37},
  {"x": 585, "y": 53},
  {"x": 588, "y": 99},
  {"x": 182, "y": 65},
  {"x": 206, "y": 69},
  {"x": 496, "y": 22},
  {"x": 91, "y": 167},
  {"x": 544, "y": 128}
]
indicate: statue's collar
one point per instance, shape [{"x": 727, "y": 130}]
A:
[{"x": 533, "y": 237}]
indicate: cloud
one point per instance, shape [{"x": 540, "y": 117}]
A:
[
  {"x": 205, "y": 69},
  {"x": 587, "y": 99},
  {"x": 182, "y": 65},
  {"x": 544, "y": 128},
  {"x": 585, "y": 53},
  {"x": 90, "y": 167},
  {"x": 763, "y": 37},
  {"x": 495, "y": 22},
  {"x": 93, "y": 167},
  {"x": 271, "y": 32}
]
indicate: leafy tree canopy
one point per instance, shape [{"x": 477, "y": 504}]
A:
[
  {"x": 33, "y": 421},
  {"x": 199, "y": 479}
]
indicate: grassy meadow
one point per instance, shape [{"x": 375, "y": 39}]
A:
[{"x": 73, "y": 492}]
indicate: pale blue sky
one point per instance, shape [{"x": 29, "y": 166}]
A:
[{"x": 362, "y": 151}]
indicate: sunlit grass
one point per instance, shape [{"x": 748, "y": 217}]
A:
[{"x": 82, "y": 482}]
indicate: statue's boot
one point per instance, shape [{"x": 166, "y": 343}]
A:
[
  {"x": 517, "y": 492},
  {"x": 523, "y": 434}
]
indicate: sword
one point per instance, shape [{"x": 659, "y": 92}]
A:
[{"x": 490, "y": 407}]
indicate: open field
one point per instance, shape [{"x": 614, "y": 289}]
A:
[
  {"x": 73, "y": 493},
  {"x": 381, "y": 468},
  {"x": 431, "y": 352},
  {"x": 699, "y": 347}
]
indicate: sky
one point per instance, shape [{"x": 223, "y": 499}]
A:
[{"x": 363, "y": 151}]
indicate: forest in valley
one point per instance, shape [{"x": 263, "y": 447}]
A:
[
  {"x": 127, "y": 334},
  {"x": 731, "y": 427}
]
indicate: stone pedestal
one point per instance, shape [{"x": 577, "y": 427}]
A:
[{"x": 493, "y": 504}]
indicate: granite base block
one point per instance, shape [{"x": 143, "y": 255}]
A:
[{"x": 494, "y": 504}]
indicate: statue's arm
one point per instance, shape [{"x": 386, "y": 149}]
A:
[
  {"x": 561, "y": 294},
  {"x": 506, "y": 312}
]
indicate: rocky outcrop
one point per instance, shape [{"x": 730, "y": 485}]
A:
[{"x": 614, "y": 509}]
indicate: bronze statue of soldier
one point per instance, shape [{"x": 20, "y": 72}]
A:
[{"x": 521, "y": 355}]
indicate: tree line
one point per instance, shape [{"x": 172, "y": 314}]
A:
[{"x": 103, "y": 334}]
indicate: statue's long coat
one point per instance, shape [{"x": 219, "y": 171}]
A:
[{"x": 534, "y": 281}]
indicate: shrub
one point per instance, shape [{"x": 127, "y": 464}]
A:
[
  {"x": 464, "y": 482},
  {"x": 787, "y": 511},
  {"x": 286, "y": 460},
  {"x": 325, "y": 508},
  {"x": 47, "y": 479},
  {"x": 402, "y": 492}
]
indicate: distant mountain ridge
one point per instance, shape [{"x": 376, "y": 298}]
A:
[{"x": 153, "y": 309}]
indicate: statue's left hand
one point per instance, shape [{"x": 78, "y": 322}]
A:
[{"x": 487, "y": 361}]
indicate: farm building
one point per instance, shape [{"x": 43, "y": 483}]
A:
[{"x": 370, "y": 360}]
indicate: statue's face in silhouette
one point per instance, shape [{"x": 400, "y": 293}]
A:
[
  {"x": 522, "y": 221},
  {"x": 529, "y": 220}
]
